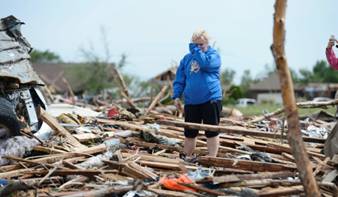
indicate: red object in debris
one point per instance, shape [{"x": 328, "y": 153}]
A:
[
  {"x": 173, "y": 183},
  {"x": 112, "y": 112}
]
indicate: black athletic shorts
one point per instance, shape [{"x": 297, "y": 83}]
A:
[{"x": 208, "y": 113}]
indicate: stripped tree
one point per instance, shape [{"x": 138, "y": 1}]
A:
[{"x": 294, "y": 135}]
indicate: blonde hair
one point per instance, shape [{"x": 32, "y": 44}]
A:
[{"x": 200, "y": 36}]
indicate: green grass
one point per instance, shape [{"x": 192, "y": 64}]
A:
[
  {"x": 303, "y": 112},
  {"x": 258, "y": 109}
]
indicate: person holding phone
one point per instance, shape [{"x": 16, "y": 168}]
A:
[
  {"x": 330, "y": 55},
  {"x": 198, "y": 79},
  {"x": 333, "y": 60}
]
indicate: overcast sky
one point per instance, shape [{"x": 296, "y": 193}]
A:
[{"x": 156, "y": 33}]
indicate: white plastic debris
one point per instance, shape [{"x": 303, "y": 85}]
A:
[
  {"x": 60, "y": 108},
  {"x": 83, "y": 129},
  {"x": 244, "y": 157},
  {"x": 16, "y": 146},
  {"x": 142, "y": 193},
  {"x": 97, "y": 161},
  {"x": 123, "y": 133},
  {"x": 316, "y": 132},
  {"x": 155, "y": 127},
  {"x": 44, "y": 133}
]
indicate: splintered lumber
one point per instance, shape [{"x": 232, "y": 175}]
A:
[
  {"x": 26, "y": 160},
  {"x": 156, "y": 99},
  {"x": 136, "y": 171},
  {"x": 14, "y": 173},
  {"x": 83, "y": 172},
  {"x": 123, "y": 87},
  {"x": 285, "y": 148},
  {"x": 159, "y": 162},
  {"x": 330, "y": 186},
  {"x": 53, "y": 123},
  {"x": 105, "y": 191},
  {"x": 294, "y": 135},
  {"x": 71, "y": 92},
  {"x": 266, "y": 116},
  {"x": 57, "y": 157},
  {"x": 48, "y": 150},
  {"x": 263, "y": 183},
  {"x": 231, "y": 129},
  {"x": 282, "y": 191},
  {"x": 139, "y": 142},
  {"x": 169, "y": 193},
  {"x": 257, "y": 176},
  {"x": 119, "y": 78},
  {"x": 244, "y": 164},
  {"x": 84, "y": 137},
  {"x": 87, "y": 151},
  {"x": 148, "y": 157},
  {"x": 123, "y": 124}
]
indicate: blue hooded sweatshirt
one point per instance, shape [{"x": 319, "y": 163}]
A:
[{"x": 198, "y": 76}]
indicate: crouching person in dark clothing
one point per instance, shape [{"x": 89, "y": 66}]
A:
[{"x": 198, "y": 79}]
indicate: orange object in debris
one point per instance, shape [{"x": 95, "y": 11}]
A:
[{"x": 173, "y": 183}]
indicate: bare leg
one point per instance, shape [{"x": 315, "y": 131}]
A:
[
  {"x": 189, "y": 146},
  {"x": 213, "y": 145}
]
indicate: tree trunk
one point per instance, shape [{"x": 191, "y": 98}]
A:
[{"x": 294, "y": 135}]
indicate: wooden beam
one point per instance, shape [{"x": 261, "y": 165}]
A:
[
  {"x": 84, "y": 137},
  {"x": 281, "y": 191},
  {"x": 58, "y": 129},
  {"x": 169, "y": 193},
  {"x": 231, "y": 129},
  {"x": 156, "y": 99},
  {"x": 257, "y": 176},
  {"x": 123, "y": 87},
  {"x": 244, "y": 164},
  {"x": 63, "y": 172}
]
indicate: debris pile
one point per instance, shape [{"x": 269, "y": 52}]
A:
[{"x": 110, "y": 151}]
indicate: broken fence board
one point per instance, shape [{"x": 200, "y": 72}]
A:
[{"x": 244, "y": 164}]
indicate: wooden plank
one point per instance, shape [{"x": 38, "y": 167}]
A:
[
  {"x": 169, "y": 193},
  {"x": 53, "y": 123},
  {"x": 48, "y": 150},
  {"x": 282, "y": 191},
  {"x": 257, "y": 176},
  {"x": 57, "y": 157},
  {"x": 14, "y": 173},
  {"x": 244, "y": 164},
  {"x": 63, "y": 172},
  {"x": 105, "y": 191},
  {"x": 84, "y": 137},
  {"x": 156, "y": 99},
  {"x": 233, "y": 130}
]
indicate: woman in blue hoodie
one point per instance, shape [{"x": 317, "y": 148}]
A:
[{"x": 198, "y": 79}]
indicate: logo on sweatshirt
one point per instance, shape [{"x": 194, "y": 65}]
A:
[{"x": 194, "y": 67}]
